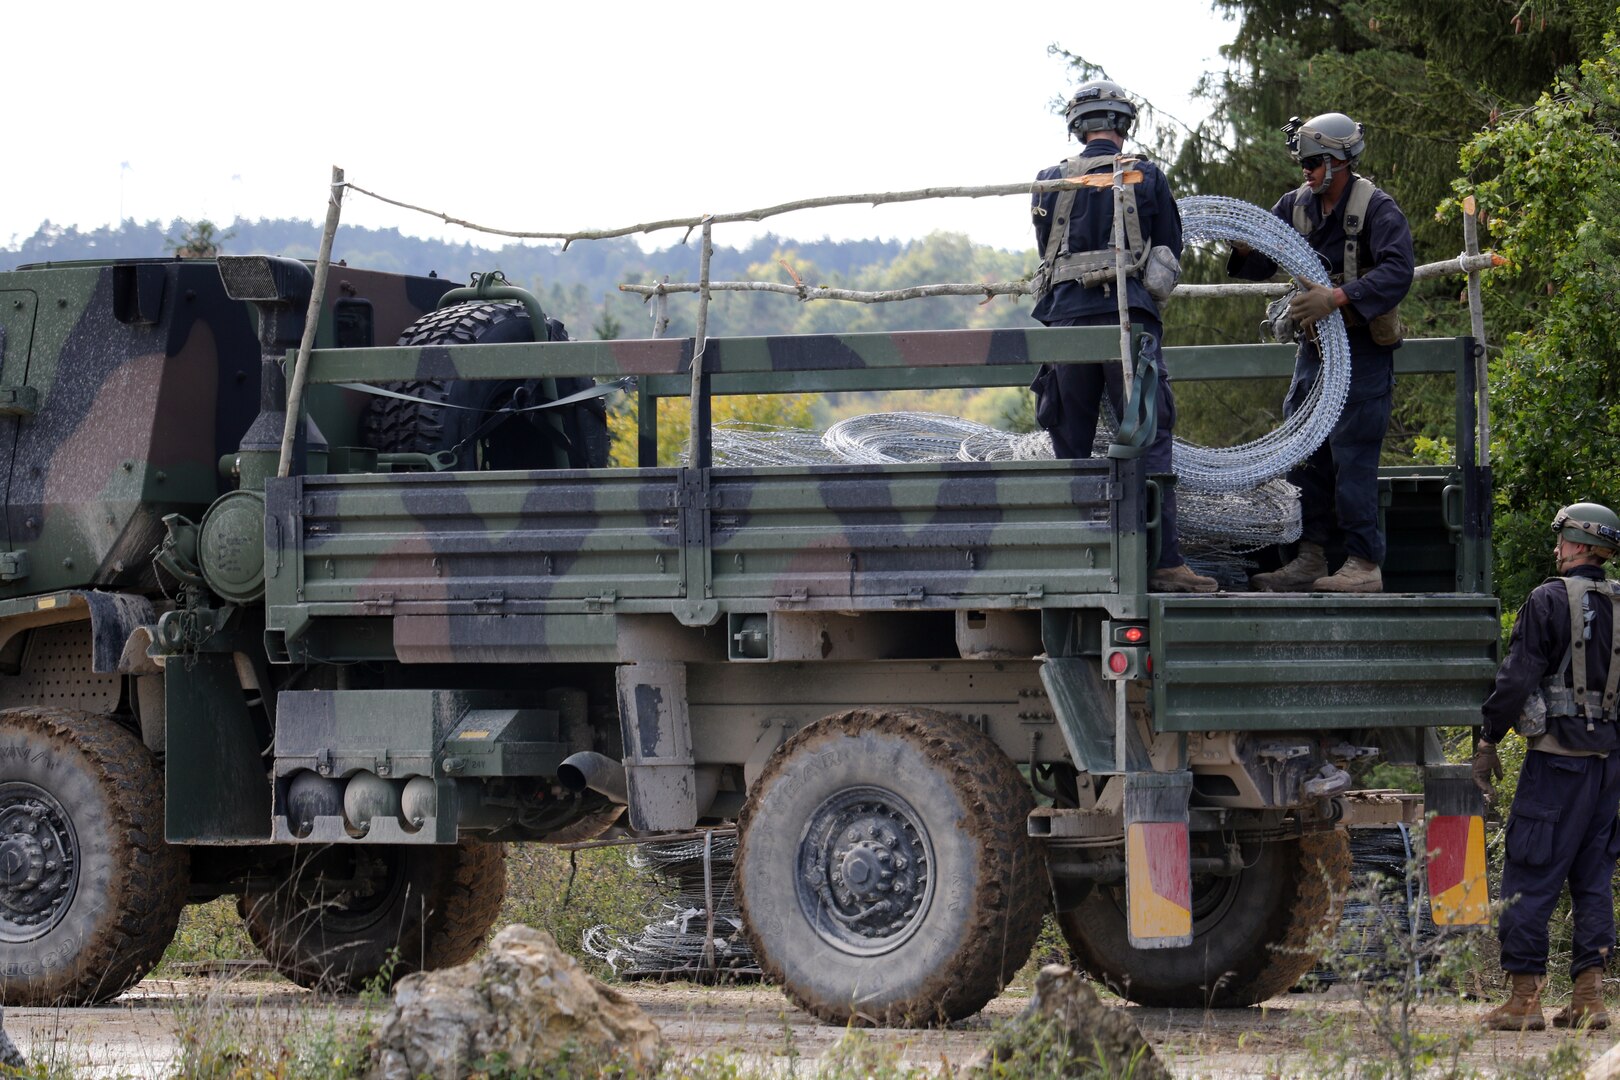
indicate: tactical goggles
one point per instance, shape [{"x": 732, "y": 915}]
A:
[
  {"x": 1312, "y": 163},
  {"x": 1610, "y": 537}
]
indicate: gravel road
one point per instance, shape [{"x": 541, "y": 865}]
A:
[{"x": 139, "y": 1035}]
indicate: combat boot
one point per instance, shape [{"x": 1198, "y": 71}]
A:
[
  {"x": 1356, "y": 575},
  {"x": 1522, "y": 1011},
  {"x": 1180, "y": 578},
  {"x": 1296, "y": 576},
  {"x": 1585, "y": 1008}
]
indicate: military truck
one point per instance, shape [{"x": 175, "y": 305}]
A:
[{"x": 936, "y": 699}]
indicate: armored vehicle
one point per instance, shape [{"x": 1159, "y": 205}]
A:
[{"x": 936, "y": 698}]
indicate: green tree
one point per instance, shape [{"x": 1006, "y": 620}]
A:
[
  {"x": 197, "y": 239},
  {"x": 1548, "y": 182}
]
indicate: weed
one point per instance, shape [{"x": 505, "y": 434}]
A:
[
  {"x": 566, "y": 893},
  {"x": 1394, "y": 962}
]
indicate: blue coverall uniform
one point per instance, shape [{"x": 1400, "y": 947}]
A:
[
  {"x": 1338, "y": 483},
  {"x": 1080, "y": 387},
  {"x": 1562, "y": 824}
]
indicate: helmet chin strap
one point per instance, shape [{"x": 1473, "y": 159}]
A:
[{"x": 1327, "y": 178}]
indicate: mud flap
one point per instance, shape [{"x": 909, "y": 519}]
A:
[
  {"x": 1455, "y": 808},
  {"x": 1158, "y": 869}
]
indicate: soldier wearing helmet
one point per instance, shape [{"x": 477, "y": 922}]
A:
[
  {"x": 1074, "y": 230},
  {"x": 1559, "y": 689},
  {"x": 1366, "y": 244}
]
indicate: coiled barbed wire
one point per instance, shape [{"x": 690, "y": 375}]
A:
[
  {"x": 1236, "y": 468},
  {"x": 1214, "y": 525},
  {"x": 675, "y": 940}
]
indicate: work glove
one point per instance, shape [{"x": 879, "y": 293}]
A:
[
  {"x": 1487, "y": 768},
  {"x": 1311, "y": 304}
]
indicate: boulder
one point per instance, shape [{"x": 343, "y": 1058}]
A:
[
  {"x": 1065, "y": 1017},
  {"x": 520, "y": 1006}
]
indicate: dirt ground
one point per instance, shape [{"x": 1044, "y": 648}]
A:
[{"x": 1291, "y": 1036}]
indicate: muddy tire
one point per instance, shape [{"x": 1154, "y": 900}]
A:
[
  {"x": 884, "y": 871},
  {"x": 1251, "y": 933},
  {"x": 418, "y": 909},
  {"x": 571, "y": 437},
  {"x": 89, "y": 892}
]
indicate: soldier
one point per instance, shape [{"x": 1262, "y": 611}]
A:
[
  {"x": 1367, "y": 244},
  {"x": 1562, "y": 826},
  {"x": 1075, "y": 287}
]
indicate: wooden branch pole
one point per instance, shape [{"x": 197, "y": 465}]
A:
[
  {"x": 991, "y": 289},
  {"x": 1120, "y": 279},
  {"x": 697, "y": 438},
  {"x": 312, "y": 319},
  {"x": 1476, "y": 318},
  {"x": 877, "y": 198}
]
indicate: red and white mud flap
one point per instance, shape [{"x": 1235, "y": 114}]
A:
[
  {"x": 1158, "y": 860},
  {"x": 1455, "y": 809}
]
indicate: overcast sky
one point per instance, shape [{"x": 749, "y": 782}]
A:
[{"x": 559, "y": 117}]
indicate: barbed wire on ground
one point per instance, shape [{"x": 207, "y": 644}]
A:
[{"x": 680, "y": 940}]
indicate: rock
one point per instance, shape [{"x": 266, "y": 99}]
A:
[
  {"x": 9, "y": 1054},
  {"x": 521, "y": 1005},
  {"x": 1606, "y": 1067},
  {"x": 1066, "y": 1016}
]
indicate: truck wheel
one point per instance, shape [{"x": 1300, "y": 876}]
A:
[
  {"x": 1251, "y": 932},
  {"x": 89, "y": 892},
  {"x": 529, "y": 441},
  {"x": 885, "y": 873},
  {"x": 352, "y": 913}
]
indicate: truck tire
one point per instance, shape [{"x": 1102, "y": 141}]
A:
[
  {"x": 529, "y": 441},
  {"x": 920, "y": 807},
  {"x": 90, "y": 894},
  {"x": 424, "y": 908},
  {"x": 1252, "y": 933}
]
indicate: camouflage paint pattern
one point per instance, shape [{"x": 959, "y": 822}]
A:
[{"x": 142, "y": 375}]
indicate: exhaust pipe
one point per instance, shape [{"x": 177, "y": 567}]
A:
[{"x": 588, "y": 770}]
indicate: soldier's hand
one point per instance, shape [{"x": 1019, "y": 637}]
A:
[
  {"x": 1240, "y": 249},
  {"x": 1487, "y": 768},
  {"x": 1311, "y": 304}
]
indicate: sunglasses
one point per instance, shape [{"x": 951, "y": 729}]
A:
[{"x": 1312, "y": 163}]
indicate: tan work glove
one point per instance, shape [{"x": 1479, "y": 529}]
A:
[
  {"x": 1311, "y": 304},
  {"x": 1487, "y": 768}
]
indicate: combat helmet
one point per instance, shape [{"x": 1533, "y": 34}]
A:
[
  {"x": 1589, "y": 523},
  {"x": 1100, "y": 105},
  {"x": 1333, "y": 134}
]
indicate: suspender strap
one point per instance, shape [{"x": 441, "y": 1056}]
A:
[
  {"x": 1579, "y": 588},
  {"x": 1355, "y": 216}
]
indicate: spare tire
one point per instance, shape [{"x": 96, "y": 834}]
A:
[{"x": 450, "y": 411}]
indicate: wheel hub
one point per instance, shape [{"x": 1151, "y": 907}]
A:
[
  {"x": 38, "y": 860},
  {"x": 864, "y": 871}
]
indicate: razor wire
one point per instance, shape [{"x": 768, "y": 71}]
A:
[
  {"x": 1215, "y": 526},
  {"x": 1236, "y": 468},
  {"x": 676, "y": 941}
]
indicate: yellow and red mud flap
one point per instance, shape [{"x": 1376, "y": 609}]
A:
[
  {"x": 1158, "y": 860},
  {"x": 1455, "y": 808}
]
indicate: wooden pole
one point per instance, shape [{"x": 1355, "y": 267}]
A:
[
  {"x": 1120, "y": 279},
  {"x": 697, "y": 438},
  {"x": 1476, "y": 318},
  {"x": 312, "y": 319}
]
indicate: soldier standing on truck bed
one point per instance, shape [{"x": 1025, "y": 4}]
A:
[
  {"x": 1367, "y": 244},
  {"x": 1558, "y": 687},
  {"x": 1074, "y": 232}
]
